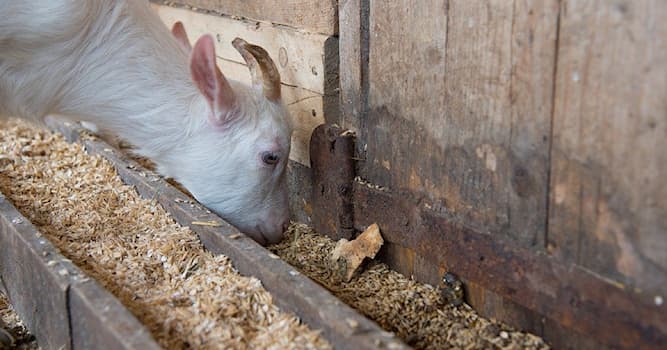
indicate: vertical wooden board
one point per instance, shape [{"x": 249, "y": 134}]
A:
[
  {"x": 28, "y": 265},
  {"x": 351, "y": 45},
  {"x": 533, "y": 54},
  {"x": 608, "y": 194},
  {"x": 459, "y": 108},
  {"x": 311, "y": 15}
]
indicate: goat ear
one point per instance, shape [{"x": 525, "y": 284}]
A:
[
  {"x": 211, "y": 83},
  {"x": 178, "y": 30}
]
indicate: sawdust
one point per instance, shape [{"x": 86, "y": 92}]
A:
[
  {"x": 414, "y": 311},
  {"x": 186, "y": 297}
]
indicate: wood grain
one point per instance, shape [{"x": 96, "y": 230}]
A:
[
  {"x": 522, "y": 284},
  {"x": 608, "y": 193},
  {"x": 351, "y": 46},
  {"x": 459, "y": 108},
  {"x": 312, "y": 15}
]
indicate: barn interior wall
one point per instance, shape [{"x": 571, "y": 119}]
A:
[
  {"x": 536, "y": 129},
  {"x": 538, "y": 124}
]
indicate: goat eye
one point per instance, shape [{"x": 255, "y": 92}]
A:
[{"x": 270, "y": 158}]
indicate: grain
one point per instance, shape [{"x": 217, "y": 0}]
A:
[
  {"x": 412, "y": 310},
  {"x": 186, "y": 296}
]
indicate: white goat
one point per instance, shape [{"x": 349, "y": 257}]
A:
[{"x": 113, "y": 63}]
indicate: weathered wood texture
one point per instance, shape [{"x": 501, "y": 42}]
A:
[
  {"x": 291, "y": 290},
  {"x": 317, "y": 16},
  {"x": 459, "y": 108},
  {"x": 98, "y": 320},
  {"x": 529, "y": 289},
  {"x": 308, "y": 65},
  {"x": 539, "y": 124},
  {"x": 332, "y": 153},
  {"x": 353, "y": 54},
  {"x": 27, "y": 276},
  {"x": 300, "y": 184},
  {"x": 62, "y": 306},
  {"x": 609, "y": 161}
]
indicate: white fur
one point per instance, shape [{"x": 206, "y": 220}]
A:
[{"x": 113, "y": 63}]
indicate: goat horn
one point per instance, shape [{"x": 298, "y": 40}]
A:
[{"x": 266, "y": 77}]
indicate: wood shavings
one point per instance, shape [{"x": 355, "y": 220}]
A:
[
  {"x": 414, "y": 311},
  {"x": 187, "y": 297},
  {"x": 349, "y": 255}
]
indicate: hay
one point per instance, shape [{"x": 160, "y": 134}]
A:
[
  {"x": 186, "y": 296},
  {"x": 414, "y": 311}
]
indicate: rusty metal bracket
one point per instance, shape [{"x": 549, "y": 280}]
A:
[{"x": 332, "y": 161}]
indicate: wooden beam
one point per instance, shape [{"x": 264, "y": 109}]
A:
[
  {"x": 315, "y": 16},
  {"x": 353, "y": 50}
]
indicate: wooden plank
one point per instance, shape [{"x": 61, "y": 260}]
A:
[
  {"x": 99, "y": 320},
  {"x": 353, "y": 45},
  {"x": 533, "y": 54},
  {"x": 301, "y": 58},
  {"x": 292, "y": 291},
  {"x": 576, "y": 299},
  {"x": 493, "y": 305},
  {"x": 459, "y": 105},
  {"x": 59, "y": 303},
  {"x": 609, "y": 199},
  {"x": 312, "y": 15},
  {"x": 30, "y": 267}
]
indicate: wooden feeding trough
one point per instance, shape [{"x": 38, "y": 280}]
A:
[
  {"x": 67, "y": 309},
  {"x": 517, "y": 145}
]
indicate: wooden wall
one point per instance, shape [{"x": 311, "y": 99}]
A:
[
  {"x": 521, "y": 144},
  {"x": 541, "y": 125}
]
